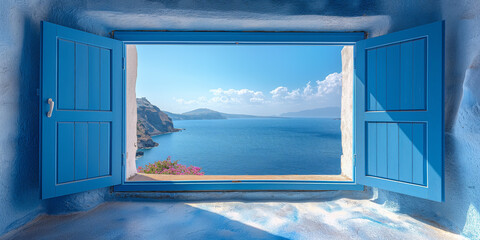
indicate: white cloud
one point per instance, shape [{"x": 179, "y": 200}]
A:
[
  {"x": 183, "y": 101},
  {"x": 326, "y": 92},
  {"x": 236, "y": 96},
  {"x": 329, "y": 89},
  {"x": 331, "y": 85},
  {"x": 199, "y": 100},
  {"x": 308, "y": 90},
  {"x": 279, "y": 92}
]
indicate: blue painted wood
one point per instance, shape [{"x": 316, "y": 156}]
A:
[
  {"x": 104, "y": 164},
  {"x": 393, "y": 77},
  {"x": 406, "y": 73},
  {"x": 66, "y": 74},
  {"x": 72, "y": 66},
  {"x": 371, "y": 79},
  {"x": 93, "y": 78},
  {"x": 81, "y": 77},
  {"x": 66, "y": 148},
  {"x": 381, "y": 150},
  {"x": 405, "y": 152},
  {"x": 420, "y": 117},
  {"x": 93, "y": 149},
  {"x": 381, "y": 89},
  {"x": 105, "y": 80},
  {"x": 81, "y": 150},
  {"x": 392, "y": 151},
  {"x": 284, "y": 38},
  {"x": 133, "y": 37},
  {"x": 419, "y": 77},
  {"x": 371, "y": 149},
  {"x": 418, "y": 154}
]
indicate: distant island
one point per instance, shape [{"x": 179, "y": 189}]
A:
[
  {"x": 205, "y": 114},
  {"x": 327, "y": 112}
]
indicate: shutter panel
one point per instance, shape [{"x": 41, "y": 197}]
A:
[
  {"x": 399, "y": 114},
  {"x": 81, "y": 140}
]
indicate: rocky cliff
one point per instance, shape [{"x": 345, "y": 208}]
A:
[
  {"x": 144, "y": 140},
  {"x": 151, "y": 121}
]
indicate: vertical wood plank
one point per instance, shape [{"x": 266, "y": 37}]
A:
[
  {"x": 419, "y": 170},
  {"x": 382, "y": 150},
  {"x": 65, "y": 159},
  {"x": 406, "y": 86},
  {"x": 105, "y": 80},
  {"x": 371, "y": 149},
  {"x": 93, "y": 78},
  {"x": 371, "y": 79},
  {"x": 81, "y": 77},
  {"x": 104, "y": 168},
  {"x": 93, "y": 149},
  {"x": 393, "y": 77},
  {"x": 419, "y": 76},
  {"x": 405, "y": 152},
  {"x": 81, "y": 150},
  {"x": 66, "y": 75},
  {"x": 392, "y": 150},
  {"x": 381, "y": 94}
]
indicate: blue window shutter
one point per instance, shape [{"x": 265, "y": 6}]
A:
[
  {"x": 399, "y": 113},
  {"x": 81, "y": 140}
]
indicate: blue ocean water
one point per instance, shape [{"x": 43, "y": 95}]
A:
[{"x": 256, "y": 146}]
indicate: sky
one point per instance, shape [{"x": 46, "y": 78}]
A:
[{"x": 260, "y": 80}]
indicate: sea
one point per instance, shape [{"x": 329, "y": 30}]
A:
[{"x": 253, "y": 146}]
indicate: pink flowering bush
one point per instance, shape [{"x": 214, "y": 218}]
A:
[{"x": 171, "y": 168}]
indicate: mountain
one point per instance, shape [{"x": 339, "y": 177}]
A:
[
  {"x": 205, "y": 113},
  {"x": 151, "y": 121},
  {"x": 328, "y": 112}
]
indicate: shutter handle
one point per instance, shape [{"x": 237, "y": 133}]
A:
[{"x": 51, "y": 103}]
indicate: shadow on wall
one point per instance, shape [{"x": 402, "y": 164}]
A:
[
  {"x": 21, "y": 186},
  {"x": 20, "y": 160}
]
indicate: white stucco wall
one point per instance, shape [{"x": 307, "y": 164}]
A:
[
  {"x": 131, "y": 124},
  {"x": 347, "y": 111}
]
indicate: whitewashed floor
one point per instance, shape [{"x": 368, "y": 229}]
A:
[{"x": 335, "y": 219}]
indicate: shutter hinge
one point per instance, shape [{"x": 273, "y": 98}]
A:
[
  {"x": 354, "y": 160},
  {"x": 124, "y": 159},
  {"x": 123, "y": 63},
  {"x": 38, "y": 91}
]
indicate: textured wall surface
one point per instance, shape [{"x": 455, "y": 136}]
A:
[
  {"x": 131, "y": 124},
  {"x": 19, "y": 71},
  {"x": 347, "y": 111}
]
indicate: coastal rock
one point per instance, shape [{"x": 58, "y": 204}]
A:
[
  {"x": 144, "y": 140},
  {"x": 153, "y": 119}
]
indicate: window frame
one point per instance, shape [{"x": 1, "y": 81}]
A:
[{"x": 234, "y": 37}]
